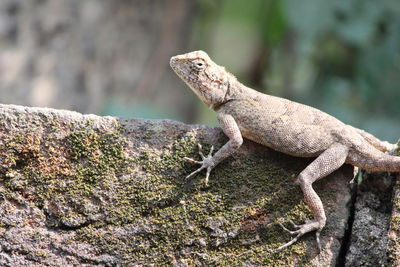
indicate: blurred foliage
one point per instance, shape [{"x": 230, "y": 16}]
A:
[{"x": 340, "y": 56}]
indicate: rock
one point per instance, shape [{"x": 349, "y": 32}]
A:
[
  {"x": 370, "y": 243},
  {"x": 394, "y": 229},
  {"x": 88, "y": 190}
]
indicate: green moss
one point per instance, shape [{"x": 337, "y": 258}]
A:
[
  {"x": 90, "y": 172},
  {"x": 64, "y": 172},
  {"x": 180, "y": 212}
]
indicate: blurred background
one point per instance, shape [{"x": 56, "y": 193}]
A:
[{"x": 111, "y": 57}]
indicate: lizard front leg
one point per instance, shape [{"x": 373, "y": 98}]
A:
[
  {"x": 231, "y": 129},
  {"x": 329, "y": 161}
]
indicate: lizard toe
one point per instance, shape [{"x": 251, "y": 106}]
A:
[
  {"x": 302, "y": 230},
  {"x": 207, "y": 163}
]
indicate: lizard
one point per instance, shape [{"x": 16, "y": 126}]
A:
[{"x": 283, "y": 125}]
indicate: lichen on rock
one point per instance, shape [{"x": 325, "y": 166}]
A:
[{"x": 82, "y": 189}]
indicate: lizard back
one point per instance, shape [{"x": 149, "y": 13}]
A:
[{"x": 283, "y": 125}]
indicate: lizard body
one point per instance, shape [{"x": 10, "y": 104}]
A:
[{"x": 283, "y": 125}]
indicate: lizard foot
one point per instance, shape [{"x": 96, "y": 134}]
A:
[
  {"x": 206, "y": 163},
  {"x": 355, "y": 175},
  {"x": 300, "y": 231}
]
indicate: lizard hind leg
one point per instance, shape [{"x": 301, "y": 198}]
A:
[
  {"x": 326, "y": 163},
  {"x": 383, "y": 146}
]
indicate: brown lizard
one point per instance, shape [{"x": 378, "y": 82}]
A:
[{"x": 286, "y": 126}]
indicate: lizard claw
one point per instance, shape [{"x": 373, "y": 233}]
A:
[
  {"x": 355, "y": 175},
  {"x": 206, "y": 163},
  {"x": 192, "y": 160},
  {"x": 301, "y": 230}
]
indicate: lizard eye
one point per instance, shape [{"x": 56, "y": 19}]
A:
[{"x": 199, "y": 64}]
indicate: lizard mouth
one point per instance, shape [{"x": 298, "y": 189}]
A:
[
  {"x": 181, "y": 72},
  {"x": 172, "y": 62}
]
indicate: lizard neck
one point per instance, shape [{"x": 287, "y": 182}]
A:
[{"x": 235, "y": 91}]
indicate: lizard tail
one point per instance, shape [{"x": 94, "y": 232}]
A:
[{"x": 369, "y": 158}]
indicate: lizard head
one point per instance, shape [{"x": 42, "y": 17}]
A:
[{"x": 208, "y": 81}]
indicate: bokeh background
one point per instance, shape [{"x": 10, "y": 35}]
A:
[{"x": 110, "y": 57}]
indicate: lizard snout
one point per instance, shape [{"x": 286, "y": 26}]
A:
[{"x": 172, "y": 61}]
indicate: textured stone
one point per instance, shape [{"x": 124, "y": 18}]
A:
[
  {"x": 87, "y": 190},
  {"x": 370, "y": 240}
]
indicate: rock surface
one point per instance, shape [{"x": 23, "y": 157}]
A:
[
  {"x": 87, "y": 190},
  {"x": 375, "y": 230},
  {"x": 369, "y": 240},
  {"x": 394, "y": 229}
]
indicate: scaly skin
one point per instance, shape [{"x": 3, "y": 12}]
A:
[{"x": 283, "y": 125}]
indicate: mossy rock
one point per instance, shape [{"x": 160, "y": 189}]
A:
[{"x": 81, "y": 189}]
